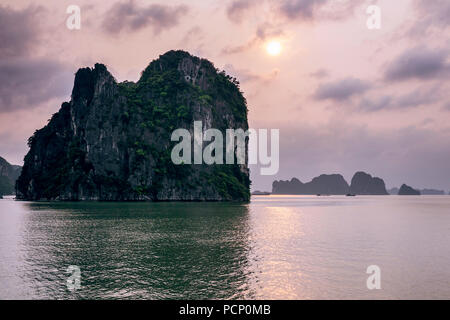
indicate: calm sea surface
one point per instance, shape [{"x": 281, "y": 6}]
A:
[{"x": 276, "y": 247}]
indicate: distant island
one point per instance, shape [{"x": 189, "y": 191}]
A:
[
  {"x": 364, "y": 184},
  {"x": 111, "y": 141},
  {"x": 324, "y": 184},
  {"x": 8, "y": 176},
  {"x": 332, "y": 184},
  {"x": 406, "y": 190},
  {"x": 434, "y": 192}
]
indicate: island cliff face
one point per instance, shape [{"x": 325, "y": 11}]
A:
[
  {"x": 112, "y": 141},
  {"x": 364, "y": 184}
]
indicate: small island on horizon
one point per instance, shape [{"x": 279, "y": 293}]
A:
[{"x": 334, "y": 184}]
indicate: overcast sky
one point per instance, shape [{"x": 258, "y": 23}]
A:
[{"x": 344, "y": 97}]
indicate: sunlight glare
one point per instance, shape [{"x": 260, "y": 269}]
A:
[{"x": 273, "y": 48}]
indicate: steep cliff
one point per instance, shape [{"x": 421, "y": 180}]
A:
[
  {"x": 324, "y": 184},
  {"x": 112, "y": 140},
  {"x": 364, "y": 184},
  {"x": 8, "y": 176}
]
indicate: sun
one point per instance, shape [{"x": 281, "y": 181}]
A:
[{"x": 273, "y": 48}]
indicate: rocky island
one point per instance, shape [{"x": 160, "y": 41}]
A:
[
  {"x": 406, "y": 190},
  {"x": 324, "y": 184},
  {"x": 364, "y": 184},
  {"x": 112, "y": 141},
  {"x": 332, "y": 184}
]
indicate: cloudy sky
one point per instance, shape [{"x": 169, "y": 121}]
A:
[{"x": 345, "y": 97}]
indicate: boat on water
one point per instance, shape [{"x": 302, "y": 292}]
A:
[{"x": 260, "y": 193}]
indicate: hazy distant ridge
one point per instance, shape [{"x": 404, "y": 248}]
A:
[
  {"x": 432, "y": 192},
  {"x": 333, "y": 184}
]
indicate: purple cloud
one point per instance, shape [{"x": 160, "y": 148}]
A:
[
  {"x": 22, "y": 84},
  {"x": 299, "y": 9},
  {"x": 319, "y": 74},
  {"x": 237, "y": 9},
  {"x": 130, "y": 16},
  {"x": 341, "y": 90},
  {"x": 18, "y": 31},
  {"x": 418, "y": 63}
]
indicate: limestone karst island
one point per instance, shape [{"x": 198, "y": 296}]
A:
[{"x": 112, "y": 140}]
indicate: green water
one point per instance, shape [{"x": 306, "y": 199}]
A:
[{"x": 274, "y": 247}]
